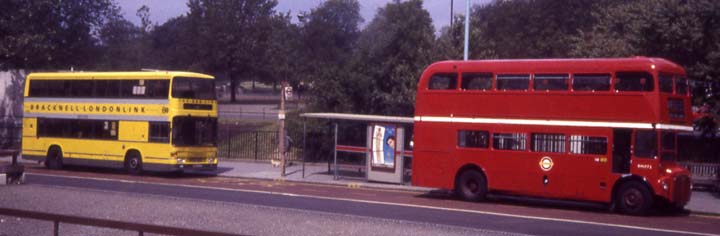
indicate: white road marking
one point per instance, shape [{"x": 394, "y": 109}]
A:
[{"x": 395, "y": 204}]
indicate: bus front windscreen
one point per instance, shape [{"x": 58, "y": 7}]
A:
[
  {"x": 193, "y": 88},
  {"x": 194, "y": 131}
]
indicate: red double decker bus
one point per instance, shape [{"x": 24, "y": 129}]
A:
[{"x": 600, "y": 130}]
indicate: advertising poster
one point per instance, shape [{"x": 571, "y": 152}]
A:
[{"x": 383, "y": 146}]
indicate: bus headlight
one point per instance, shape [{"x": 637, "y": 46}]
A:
[
  {"x": 179, "y": 160},
  {"x": 665, "y": 186}
]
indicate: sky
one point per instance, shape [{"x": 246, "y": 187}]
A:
[{"x": 162, "y": 10}]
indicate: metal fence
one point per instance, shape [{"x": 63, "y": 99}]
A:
[
  {"x": 140, "y": 228},
  {"x": 703, "y": 174},
  {"x": 10, "y": 132},
  {"x": 256, "y": 145}
]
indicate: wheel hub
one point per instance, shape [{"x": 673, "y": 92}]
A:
[{"x": 633, "y": 198}]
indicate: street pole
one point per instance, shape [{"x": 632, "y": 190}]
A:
[
  {"x": 452, "y": 5},
  {"x": 467, "y": 28},
  {"x": 281, "y": 132}
]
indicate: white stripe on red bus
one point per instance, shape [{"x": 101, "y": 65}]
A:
[{"x": 479, "y": 120}]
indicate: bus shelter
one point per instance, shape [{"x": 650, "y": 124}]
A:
[{"x": 384, "y": 149}]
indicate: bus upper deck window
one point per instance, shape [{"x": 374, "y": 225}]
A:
[
  {"x": 477, "y": 81},
  {"x": 591, "y": 82},
  {"x": 681, "y": 86},
  {"x": 666, "y": 83},
  {"x": 513, "y": 82},
  {"x": 634, "y": 81},
  {"x": 553, "y": 82},
  {"x": 443, "y": 81}
]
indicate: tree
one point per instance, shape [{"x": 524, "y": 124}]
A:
[
  {"x": 283, "y": 51},
  {"x": 234, "y": 36},
  {"x": 685, "y": 32},
  {"x": 527, "y": 29},
  {"x": 329, "y": 33},
  {"x": 393, "y": 51},
  {"x": 120, "y": 44},
  {"x": 175, "y": 46},
  {"x": 49, "y": 34}
]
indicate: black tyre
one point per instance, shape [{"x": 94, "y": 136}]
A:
[
  {"x": 471, "y": 186},
  {"x": 133, "y": 163},
  {"x": 54, "y": 159},
  {"x": 634, "y": 198}
]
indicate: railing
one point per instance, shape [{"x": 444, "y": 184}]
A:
[
  {"x": 10, "y": 132},
  {"x": 103, "y": 223},
  {"x": 264, "y": 114},
  {"x": 703, "y": 174},
  {"x": 256, "y": 145}
]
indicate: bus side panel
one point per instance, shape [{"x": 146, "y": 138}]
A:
[
  {"x": 431, "y": 159},
  {"x": 157, "y": 153},
  {"x": 32, "y": 147},
  {"x": 133, "y": 131}
]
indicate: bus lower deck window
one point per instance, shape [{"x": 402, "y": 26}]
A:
[
  {"x": 509, "y": 141},
  {"x": 548, "y": 142},
  {"x": 472, "y": 138},
  {"x": 580, "y": 144}
]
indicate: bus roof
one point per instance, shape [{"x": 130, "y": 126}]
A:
[
  {"x": 561, "y": 65},
  {"x": 116, "y": 75}
]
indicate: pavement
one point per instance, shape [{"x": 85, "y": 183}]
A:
[{"x": 702, "y": 202}]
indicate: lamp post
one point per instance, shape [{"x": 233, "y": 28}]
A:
[
  {"x": 281, "y": 132},
  {"x": 467, "y": 28}
]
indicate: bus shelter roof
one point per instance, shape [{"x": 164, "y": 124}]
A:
[{"x": 359, "y": 117}]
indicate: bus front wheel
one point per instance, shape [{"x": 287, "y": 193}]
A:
[
  {"x": 133, "y": 163},
  {"x": 54, "y": 159},
  {"x": 471, "y": 186},
  {"x": 634, "y": 198}
]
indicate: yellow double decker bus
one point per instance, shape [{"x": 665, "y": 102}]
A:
[{"x": 140, "y": 121}]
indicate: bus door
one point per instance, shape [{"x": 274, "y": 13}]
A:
[{"x": 621, "y": 151}]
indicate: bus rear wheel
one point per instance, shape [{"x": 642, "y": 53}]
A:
[
  {"x": 471, "y": 186},
  {"x": 634, "y": 199},
  {"x": 133, "y": 163},
  {"x": 54, "y": 159}
]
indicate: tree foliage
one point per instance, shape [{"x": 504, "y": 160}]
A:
[
  {"x": 329, "y": 33},
  {"x": 393, "y": 51},
  {"x": 349, "y": 68},
  {"x": 50, "y": 34},
  {"x": 686, "y": 32},
  {"x": 234, "y": 36}
]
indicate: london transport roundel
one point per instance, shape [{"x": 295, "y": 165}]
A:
[{"x": 546, "y": 163}]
